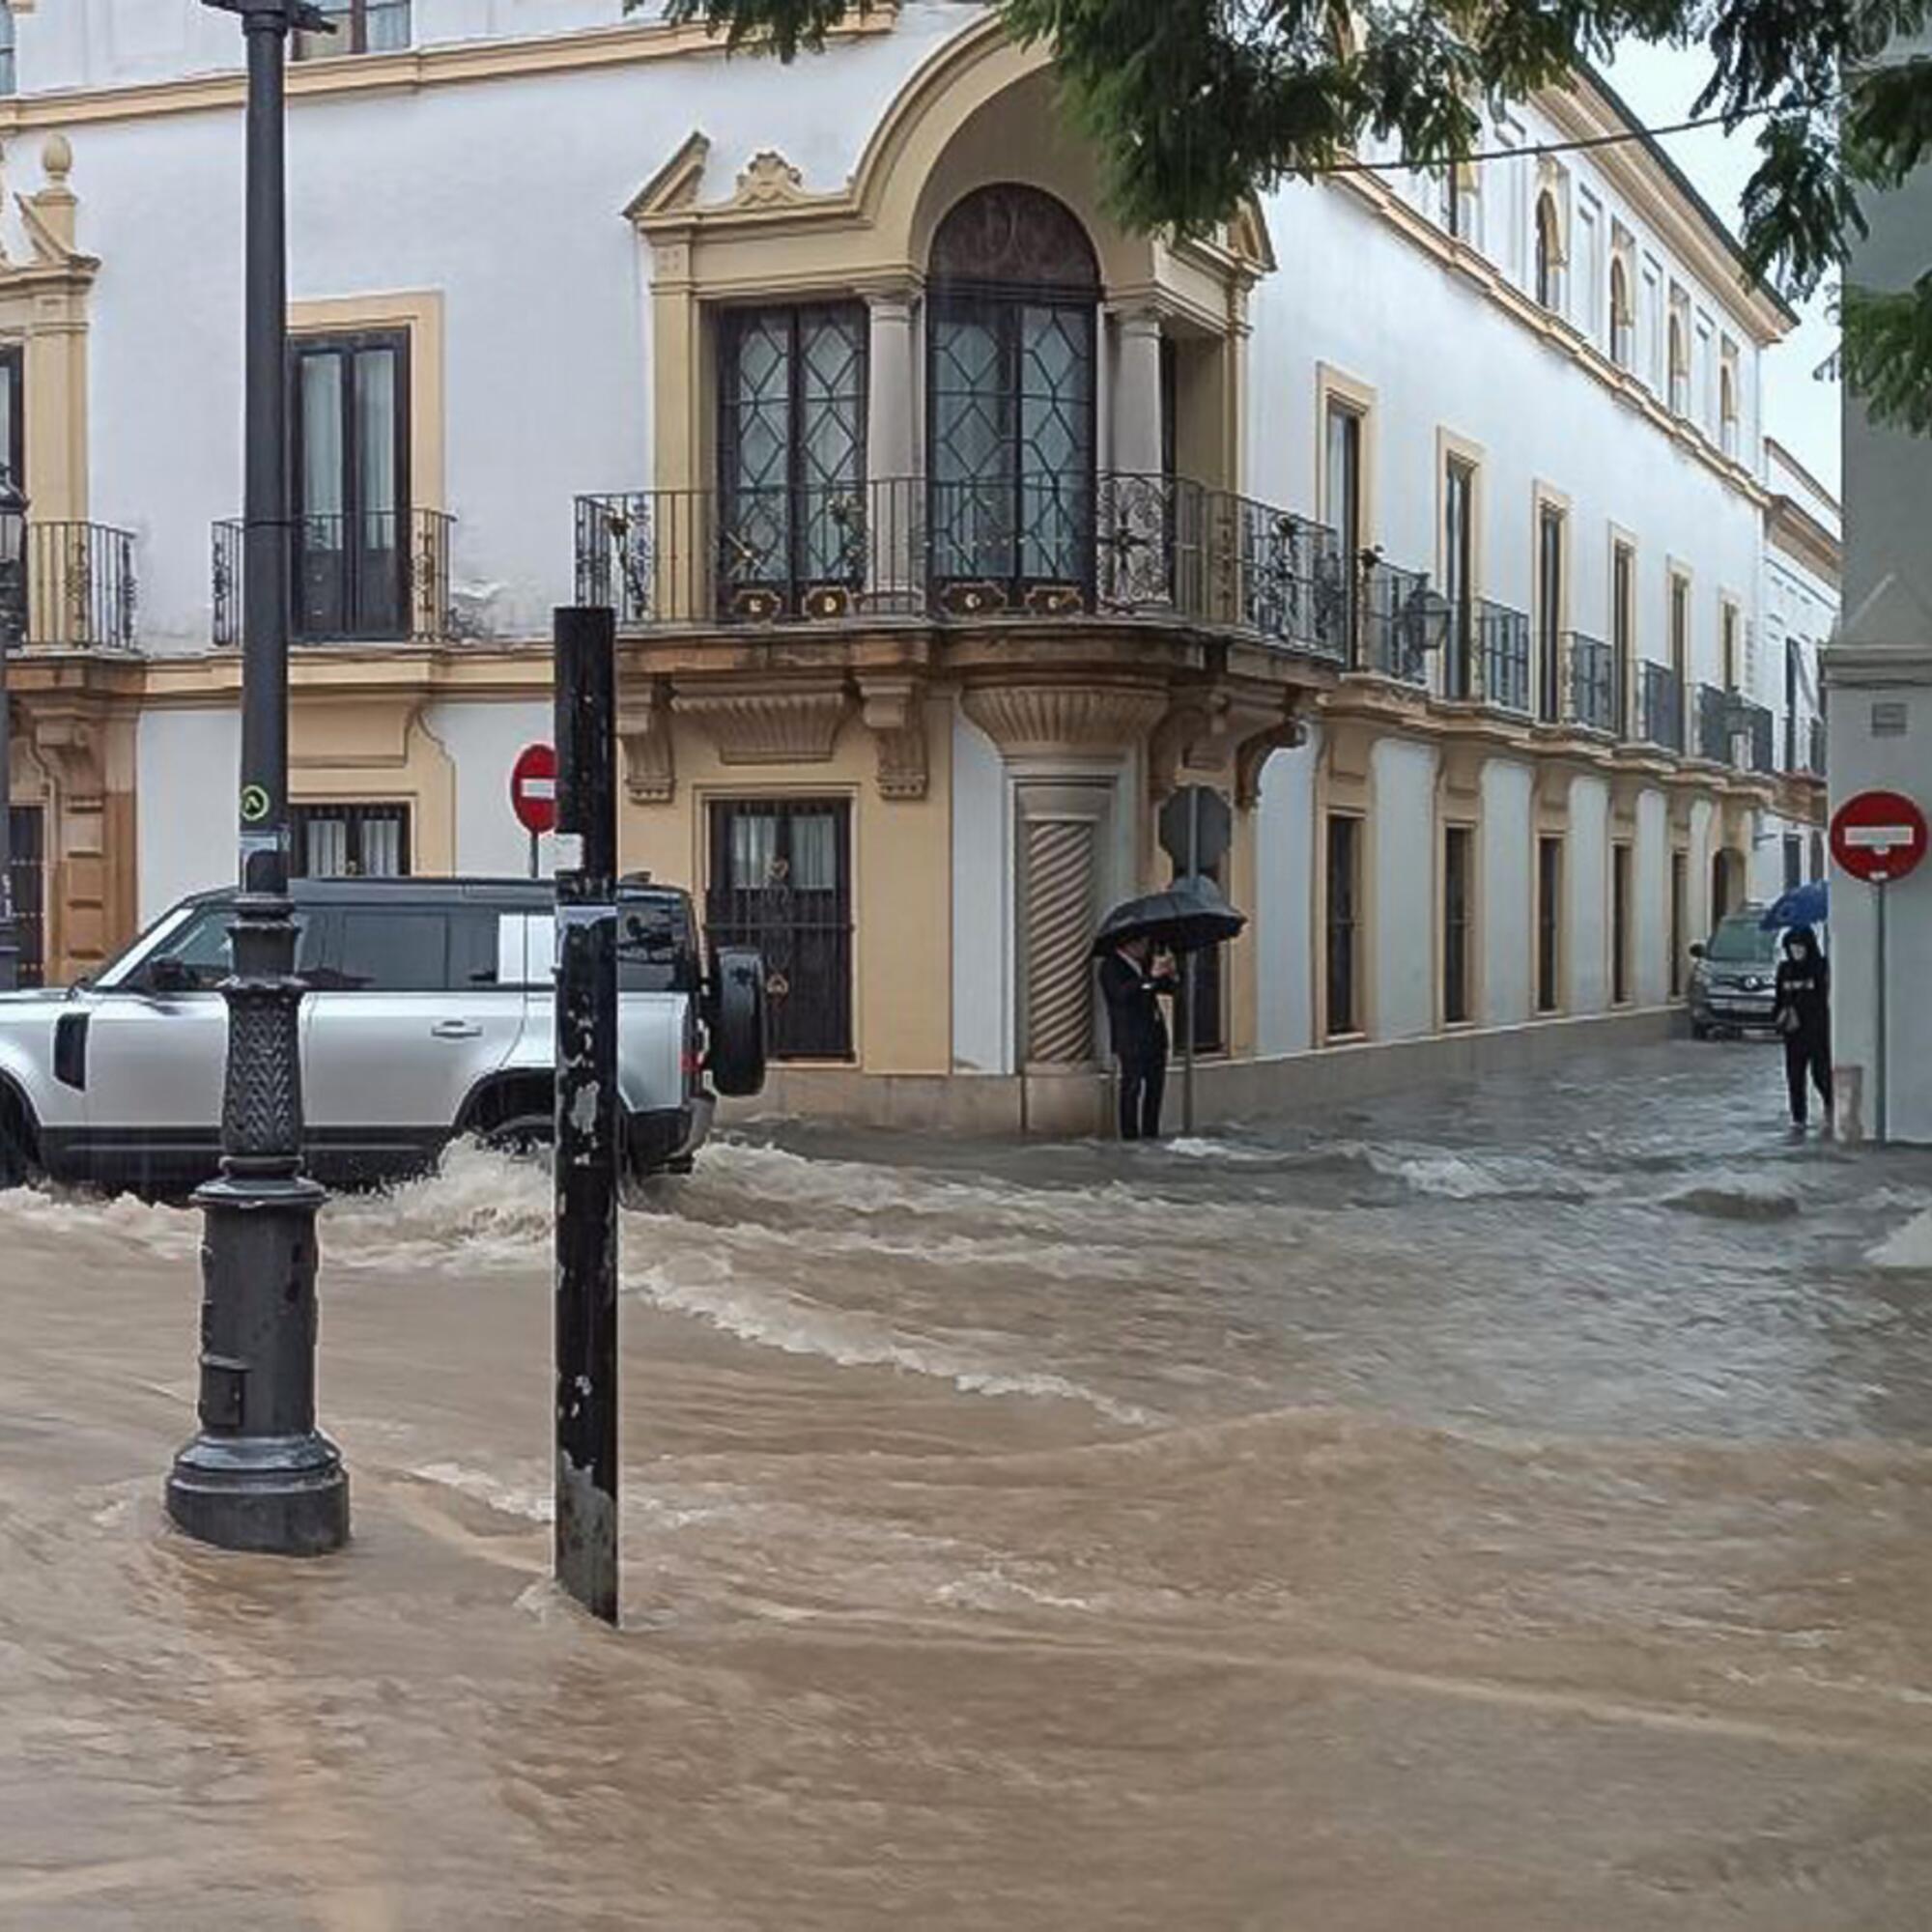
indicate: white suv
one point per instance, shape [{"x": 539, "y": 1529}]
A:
[{"x": 429, "y": 1015}]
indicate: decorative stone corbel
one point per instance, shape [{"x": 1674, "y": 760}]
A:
[
  {"x": 70, "y": 752},
  {"x": 894, "y": 712},
  {"x": 1172, "y": 742},
  {"x": 1283, "y": 734},
  {"x": 650, "y": 760}
]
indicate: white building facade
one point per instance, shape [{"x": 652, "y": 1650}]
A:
[{"x": 951, "y": 530}]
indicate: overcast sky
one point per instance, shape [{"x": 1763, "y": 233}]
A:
[{"x": 1660, "y": 84}]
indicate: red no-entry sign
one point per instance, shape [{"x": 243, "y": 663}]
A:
[
  {"x": 1878, "y": 835},
  {"x": 533, "y": 788}
]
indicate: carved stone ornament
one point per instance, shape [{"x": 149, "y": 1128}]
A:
[
  {"x": 794, "y": 725},
  {"x": 70, "y": 752},
  {"x": 1255, "y": 751},
  {"x": 770, "y": 181},
  {"x": 650, "y": 758},
  {"x": 894, "y": 712},
  {"x": 1044, "y": 718}
]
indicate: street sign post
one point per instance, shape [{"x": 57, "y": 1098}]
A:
[
  {"x": 533, "y": 794},
  {"x": 1196, "y": 829},
  {"x": 586, "y": 1108},
  {"x": 1878, "y": 837}
]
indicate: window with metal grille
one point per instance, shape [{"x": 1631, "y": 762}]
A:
[
  {"x": 29, "y": 883},
  {"x": 1458, "y": 850},
  {"x": 791, "y": 453},
  {"x": 352, "y": 484},
  {"x": 1620, "y": 924},
  {"x": 1011, "y": 400},
  {"x": 1343, "y": 924},
  {"x": 362, "y": 27},
  {"x": 350, "y": 842},
  {"x": 782, "y": 882},
  {"x": 1549, "y": 925}
]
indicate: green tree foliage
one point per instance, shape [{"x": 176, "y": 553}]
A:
[{"x": 1193, "y": 103}]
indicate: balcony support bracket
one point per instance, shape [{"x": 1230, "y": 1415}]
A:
[
  {"x": 894, "y": 709},
  {"x": 650, "y": 757}
]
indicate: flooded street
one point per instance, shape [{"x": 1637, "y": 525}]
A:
[{"x": 1506, "y": 1508}]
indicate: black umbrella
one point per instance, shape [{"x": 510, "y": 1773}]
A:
[{"x": 1187, "y": 916}]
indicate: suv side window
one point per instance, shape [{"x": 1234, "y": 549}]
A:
[
  {"x": 202, "y": 945},
  {"x": 657, "y": 949},
  {"x": 474, "y": 948},
  {"x": 380, "y": 950}
]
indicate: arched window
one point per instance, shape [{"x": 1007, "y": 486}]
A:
[
  {"x": 1014, "y": 307},
  {"x": 1549, "y": 253},
  {"x": 1623, "y": 317},
  {"x": 1680, "y": 367},
  {"x": 1728, "y": 409},
  {"x": 1461, "y": 209},
  {"x": 8, "y": 79}
]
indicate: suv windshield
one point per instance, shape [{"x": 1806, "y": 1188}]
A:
[{"x": 1742, "y": 942}]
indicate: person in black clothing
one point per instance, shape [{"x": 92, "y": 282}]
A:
[
  {"x": 1805, "y": 1019},
  {"x": 1132, "y": 991}
]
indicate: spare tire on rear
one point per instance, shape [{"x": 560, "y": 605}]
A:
[{"x": 736, "y": 1019}]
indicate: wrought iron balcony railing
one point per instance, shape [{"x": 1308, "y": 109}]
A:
[
  {"x": 907, "y": 547},
  {"x": 380, "y": 576},
  {"x": 1593, "y": 683},
  {"x": 1400, "y": 620},
  {"x": 1502, "y": 657},
  {"x": 1659, "y": 720},
  {"x": 1732, "y": 730},
  {"x": 81, "y": 587}
]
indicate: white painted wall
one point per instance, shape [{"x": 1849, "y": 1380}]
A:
[
  {"x": 1439, "y": 354},
  {"x": 483, "y": 741},
  {"x": 1587, "y": 862},
  {"x": 983, "y": 1024},
  {"x": 1650, "y": 891},
  {"x": 188, "y": 772},
  {"x": 1507, "y": 891},
  {"x": 1287, "y": 931},
  {"x": 1402, "y": 847}
]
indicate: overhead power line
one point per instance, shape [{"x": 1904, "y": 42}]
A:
[{"x": 1532, "y": 153}]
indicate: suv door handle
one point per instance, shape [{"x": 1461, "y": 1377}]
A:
[{"x": 456, "y": 1030}]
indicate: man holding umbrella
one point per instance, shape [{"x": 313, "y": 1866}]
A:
[
  {"x": 1191, "y": 914},
  {"x": 1131, "y": 984}
]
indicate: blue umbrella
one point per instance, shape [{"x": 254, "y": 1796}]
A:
[{"x": 1800, "y": 905}]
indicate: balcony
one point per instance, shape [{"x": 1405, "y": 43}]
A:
[
  {"x": 1402, "y": 620},
  {"x": 81, "y": 587},
  {"x": 382, "y": 577},
  {"x": 1591, "y": 691},
  {"x": 1732, "y": 730},
  {"x": 1502, "y": 657},
  {"x": 1660, "y": 709},
  {"x": 903, "y": 548}
]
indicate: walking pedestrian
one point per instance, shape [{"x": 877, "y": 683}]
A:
[
  {"x": 1131, "y": 984},
  {"x": 1804, "y": 1016}
]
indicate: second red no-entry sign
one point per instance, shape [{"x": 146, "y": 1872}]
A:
[{"x": 533, "y": 789}]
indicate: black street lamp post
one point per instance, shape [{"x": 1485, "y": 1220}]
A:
[
  {"x": 258, "y": 1474},
  {"x": 13, "y": 635}
]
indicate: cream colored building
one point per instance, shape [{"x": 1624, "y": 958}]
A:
[{"x": 951, "y": 530}]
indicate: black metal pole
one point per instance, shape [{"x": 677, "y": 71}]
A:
[
  {"x": 259, "y": 1475},
  {"x": 587, "y": 1109}
]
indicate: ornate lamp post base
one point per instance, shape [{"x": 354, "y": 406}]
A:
[{"x": 252, "y": 1478}]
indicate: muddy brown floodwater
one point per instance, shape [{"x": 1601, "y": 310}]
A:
[{"x": 1505, "y": 1509}]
